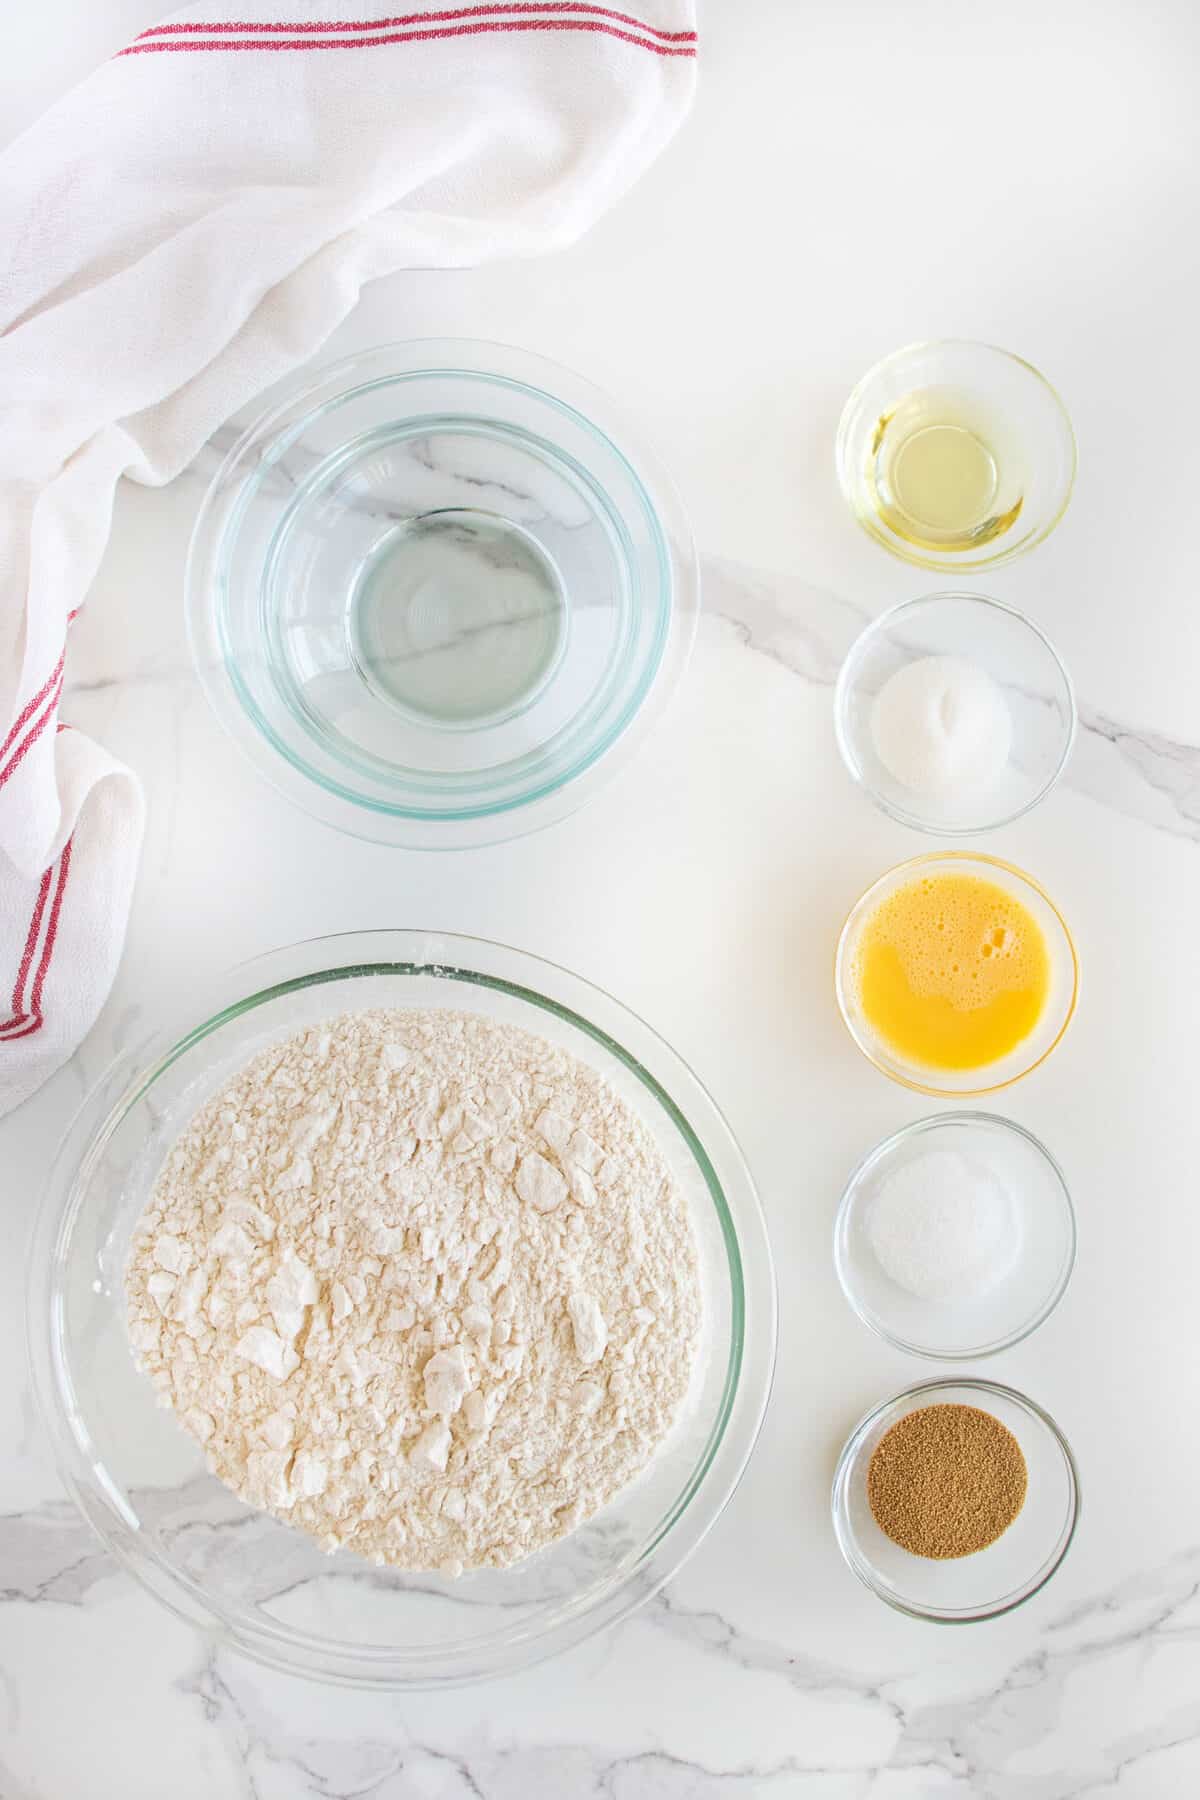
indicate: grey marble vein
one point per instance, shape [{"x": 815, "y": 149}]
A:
[
  {"x": 48, "y": 1553},
  {"x": 1131, "y": 768},
  {"x": 969, "y": 1737},
  {"x": 407, "y": 1761},
  {"x": 717, "y": 1636},
  {"x": 288, "y": 472},
  {"x": 1136, "y": 771},
  {"x": 126, "y": 681},
  {"x": 972, "y": 1735}
]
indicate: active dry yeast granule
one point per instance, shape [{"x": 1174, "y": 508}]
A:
[
  {"x": 946, "y": 1481},
  {"x": 422, "y": 1284}
]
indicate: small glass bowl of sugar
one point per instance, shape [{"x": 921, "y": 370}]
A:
[
  {"x": 955, "y": 713},
  {"x": 955, "y": 1238}
]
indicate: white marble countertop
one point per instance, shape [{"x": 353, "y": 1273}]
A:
[{"x": 853, "y": 177}]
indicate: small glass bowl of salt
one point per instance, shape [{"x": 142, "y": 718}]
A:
[
  {"x": 955, "y": 1238},
  {"x": 955, "y": 713}
]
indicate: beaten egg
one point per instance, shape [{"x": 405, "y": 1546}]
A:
[{"x": 952, "y": 971}]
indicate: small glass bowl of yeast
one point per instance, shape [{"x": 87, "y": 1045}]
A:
[
  {"x": 956, "y": 974},
  {"x": 956, "y": 455},
  {"x": 961, "y": 1590}
]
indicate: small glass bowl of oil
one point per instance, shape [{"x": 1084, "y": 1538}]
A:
[{"x": 956, "y": 455}]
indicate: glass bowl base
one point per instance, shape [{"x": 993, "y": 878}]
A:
[{"x": 458, "y": 618}]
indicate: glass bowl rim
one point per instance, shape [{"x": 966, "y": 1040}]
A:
[
  {"x": 849, "y": 1199},
  {"x": 955, "y": 1615},
  {"x": 282, "y": 412},
  {"x": 876, "y": 628},
  {"x": 855, "y": 913},
  {"x": 748, "y": 1376},
  {"x": 340, "y": 786},
  {"x": 846, "y": 482}
]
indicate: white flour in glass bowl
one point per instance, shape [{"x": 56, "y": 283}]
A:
[{"x": 422, "y": 1285}]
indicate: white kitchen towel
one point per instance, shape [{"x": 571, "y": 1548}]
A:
[{"x": 181, "y": 231}]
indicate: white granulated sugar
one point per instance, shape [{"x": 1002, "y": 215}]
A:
[
  {"x": 941, "y": 726},
  {"x": 943, "y": 1227},
  {"x": 422, "y": 1285}
]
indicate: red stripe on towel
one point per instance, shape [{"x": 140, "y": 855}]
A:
[
  {"x": 18, "y": 1014},
  {"x": 302, "y": 28},
  {"x": 54, "y": 675},
  {"x": 34, "y": 732},
  {"x": 37, "y": 1018},
  {"x": 33, "y": 705},
  {"x": 142, "y": 47}
]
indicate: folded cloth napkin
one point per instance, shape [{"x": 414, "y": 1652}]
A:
[{"x": 182, "y": 230}]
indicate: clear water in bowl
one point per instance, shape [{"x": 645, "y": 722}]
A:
[
  {"x": 457, "y": 618},
  {"x": 436, "y": 603},
  {"x": 417, "y": 638}
]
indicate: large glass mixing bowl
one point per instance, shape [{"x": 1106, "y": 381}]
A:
[
  {"x": 254, "y": 1582},
  {"x": 438, "y": 591}
]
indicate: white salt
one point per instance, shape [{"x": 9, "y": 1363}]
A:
[
  {"x": 943, "y": 1227},
  {"x": 941, "y": 727}
]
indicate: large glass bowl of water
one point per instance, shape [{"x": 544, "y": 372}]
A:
[
  {"x": 244, "y": 1577},
  {"x": 438, "y": 591}
]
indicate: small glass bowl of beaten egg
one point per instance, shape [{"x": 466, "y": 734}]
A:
[{"x": 956, "y": 974}]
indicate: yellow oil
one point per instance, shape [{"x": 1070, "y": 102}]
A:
[{"x": 936, "y": 474}]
